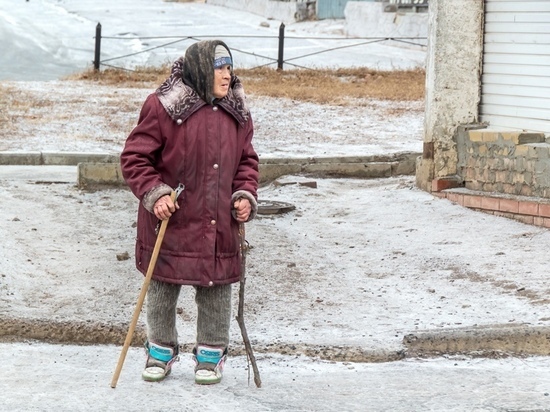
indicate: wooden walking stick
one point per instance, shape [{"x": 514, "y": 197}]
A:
[
  {"x": 142, "y": 294},
  {"x": 240, "y": 313}
]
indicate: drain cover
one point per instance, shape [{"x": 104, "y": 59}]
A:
[{"x": 269, "y": 207}]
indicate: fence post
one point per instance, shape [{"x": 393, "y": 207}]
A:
[
  {"x": 97, "y": 54},
  {"x": 281, "y": 46}
]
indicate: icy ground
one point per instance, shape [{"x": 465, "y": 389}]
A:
[{"x": 354, "y": 268}]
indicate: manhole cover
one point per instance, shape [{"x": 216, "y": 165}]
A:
[{"x": 269, "y": 207}]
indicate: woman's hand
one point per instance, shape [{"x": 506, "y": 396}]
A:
[
  {"x": 164, "y": 207},
  {"x": 242, "y": 209}
]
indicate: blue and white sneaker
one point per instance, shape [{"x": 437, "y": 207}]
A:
[
  {"x": 159, "y": 361},
  {"x": 209, "y": 363}
]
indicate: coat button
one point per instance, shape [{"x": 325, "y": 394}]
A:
[
  {"x": 215, "y": 166},
  {"x": 210, "y": 283},
  {"x": 212, "y": 222},
  {"x": 215, "y": 108},
  {"x": 179, "y": 121}
]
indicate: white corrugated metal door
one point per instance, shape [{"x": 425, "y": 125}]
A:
[{"x": 515, "y": 86}]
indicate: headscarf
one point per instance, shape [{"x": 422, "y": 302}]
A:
[
  {"x": 198, "y": 67},
  {"x": 191, "y": 83}
]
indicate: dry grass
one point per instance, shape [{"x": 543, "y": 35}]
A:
[
  {"x": 15, "y": 101},
  {"x": 339, "y": 86},
  {"x": 103, "y": 107}
]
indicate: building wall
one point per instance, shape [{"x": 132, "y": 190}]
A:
[
  {"x": 453, "y": 72},
  {"x": 515, "y": 89},
  {"x": 283, "y": 11},
  {"x": 368, "y": 19},
  {"x": 459, "y": 150}
]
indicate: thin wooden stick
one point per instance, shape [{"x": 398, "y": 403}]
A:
[
  {"x": 240, "y": 313},
  {"x": 141, "y": 297}
]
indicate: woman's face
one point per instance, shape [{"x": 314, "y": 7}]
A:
[{"x": 222, "y": 78}]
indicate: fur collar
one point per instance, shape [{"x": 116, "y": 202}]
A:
[{"x": 180, "y": 100}]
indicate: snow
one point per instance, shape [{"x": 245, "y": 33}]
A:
[
  {"x": 100, "y": 122},
  {"x": 357, "y": 265},
  {"x": 44, "y": 39}
]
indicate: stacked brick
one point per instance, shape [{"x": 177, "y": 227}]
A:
[
  {"x": 502, "y": 173},
  {"x": 512, "y": 163}
]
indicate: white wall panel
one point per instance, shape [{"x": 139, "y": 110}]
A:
[{"x": 515, "y": 90}]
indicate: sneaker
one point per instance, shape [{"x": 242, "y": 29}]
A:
[
  {"x": 209, "y": 362},
  {"x": 159, "y": 361}
]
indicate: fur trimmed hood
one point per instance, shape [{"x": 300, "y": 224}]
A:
[{"x": 191, "y": 81}]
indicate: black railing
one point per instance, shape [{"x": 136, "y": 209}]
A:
[{"x": 279, "y": 61}]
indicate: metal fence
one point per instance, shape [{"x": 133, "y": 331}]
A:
[{"x": 166, "y": 42}]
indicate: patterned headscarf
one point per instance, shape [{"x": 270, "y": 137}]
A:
[{"x": 191, "y": 83}]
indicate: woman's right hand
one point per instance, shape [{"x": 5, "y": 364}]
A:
[{"x": 164, "y": 207}]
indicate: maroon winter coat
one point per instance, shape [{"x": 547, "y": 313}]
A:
[{"x": 210, "y": 152}]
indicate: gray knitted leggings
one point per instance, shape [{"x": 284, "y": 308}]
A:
[{"x": 213, "y": 314}]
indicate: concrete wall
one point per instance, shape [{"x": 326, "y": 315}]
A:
[
  {"x": 453, "y": 81},
  {"x": 366, "y": 19},
  {"x": 107, "y": 172},
  {"x": 363, "y": 18},
  {"x": 283, "y": 11}
]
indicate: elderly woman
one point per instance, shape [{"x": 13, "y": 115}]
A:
[{"x": 194, "y": 131}]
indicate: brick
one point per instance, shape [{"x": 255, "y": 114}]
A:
[
  {"x": 501, "y": 176},
  {"x": 541, "y": 221},
  {"x": 543, "y": 151},
  {"x": 509, "y": 188},
  {"x": 492, "y": 163},
  {"x": 475, "y": 185},
  {"x": 508, "y": 164},
  {"x": 545, "y": 222},
  {"x": 475, "y": 135},
  {"x": 442, "y": 183},
  {"x": 482, "y": 150},
  {"x": 509, "y": 205},
  {"x": 526, "y": 190},
  {"x": 528, "y": 208},
  {"x": 517, "y": 178},
  {"x": 490, "y": 203},
  {"x": 528, "y": 220},
  {"x": 521, "y": 151},
  {"x": 544, "y": 210},
  {"x": 525, "y": 138},
  {"x": 510, "y": 136},
  {"x": 456, "y": 198},
  {"x": 490, "y": 187},
  {"x": 490, "y": 136},
  {"x": 472, "y": 201}
]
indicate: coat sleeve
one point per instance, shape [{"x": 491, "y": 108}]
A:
[
  {"x": 245, "y": 182},
  {"x": 140, "y": 154}
]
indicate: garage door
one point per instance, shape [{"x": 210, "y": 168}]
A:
[{"x": 515, "y": 91}]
